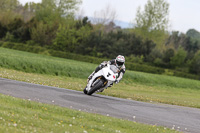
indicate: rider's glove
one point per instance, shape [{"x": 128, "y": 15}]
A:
[
  {"x": 116, "y": 81},
  {"x": 103, "y": 65}
]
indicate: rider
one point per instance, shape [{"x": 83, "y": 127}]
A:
[{"x": 118, "y": 62}]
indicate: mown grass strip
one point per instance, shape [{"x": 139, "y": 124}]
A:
[{"x": 26, "y": 116}]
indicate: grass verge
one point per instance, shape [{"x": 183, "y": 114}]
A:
[{"x": 26, "y": 116}]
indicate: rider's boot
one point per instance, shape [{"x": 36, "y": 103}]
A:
[
  {"x": 101, "y": 90},
  {"x": 110, "y": 85},
  {"x": 90, "y": 77}
]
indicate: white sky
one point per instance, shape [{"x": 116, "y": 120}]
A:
[{"x": 184, "y": 14}]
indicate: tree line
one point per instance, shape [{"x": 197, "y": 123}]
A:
[{"x": 53, "y": 24}]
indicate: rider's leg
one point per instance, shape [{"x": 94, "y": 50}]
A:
[
  {"x": 110, "y": 85},
  {"x": 96, "y": 70},
  {"x": 91, "y": 75}
]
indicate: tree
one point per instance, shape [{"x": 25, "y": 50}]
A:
[
  {"x": 51, "y": 10},
  {"x": 178, "y": 59},
  {"x": 38, "y": 33},
  {"x": 23, "y": 33},
  {"x": 8, "y": 5},
  {"x": 67, "y": 7},
  {"x": 28, "y": 11},
  {"x": 49, "y": 15},
  {"x": 65, "y": 39},
  {"x": 68, "y": 38},
  {"x": 154, "y": 16},
  {"x": 83, "y": 22},
  {"x": 177, "y": 39},
  {"x": 8, "y": 11},
  {"x": 3, "y": 30},
  {"x": 105, "y": 16},
  {"x": 168, "y": 54},
  {"x": 195, "y": 64},
  {"x": 152, "y": 23},
  {"x": 193, "y": 34}
]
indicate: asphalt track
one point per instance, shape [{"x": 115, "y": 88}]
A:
[{"x": 175, "y": 117}]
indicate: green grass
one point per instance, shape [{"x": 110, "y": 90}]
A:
[
  {"x": 26, "y": 116},
  {"x": 52, "y": 71},
  {"x": 35, "y": 63}
]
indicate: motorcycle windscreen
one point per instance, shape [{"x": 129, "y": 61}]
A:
[{"x": 114, "y": 68}]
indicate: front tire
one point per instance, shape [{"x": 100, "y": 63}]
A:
[
  {"x": 85, "y": 91},
  {"x": 94, "y": 88}
]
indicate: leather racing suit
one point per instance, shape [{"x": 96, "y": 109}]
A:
[{"x": 111, "y": 62}]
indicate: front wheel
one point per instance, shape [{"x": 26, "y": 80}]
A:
[
  {"x": 97, "y": 86},
  {"x": 85, "y": 91}
]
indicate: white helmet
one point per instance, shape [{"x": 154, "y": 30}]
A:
[{"x": 120, "y": 60}]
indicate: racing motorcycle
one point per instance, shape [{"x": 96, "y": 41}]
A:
[{"x": 102, "y": 79}]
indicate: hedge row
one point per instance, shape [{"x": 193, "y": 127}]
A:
[
  {"x": 186, "y": 75},
  {"x": 144, "y": 68},
  {"x": 22, "y": 47},
  {"x": 78, "y": 57},
  {"x": 84, "y": 58}
]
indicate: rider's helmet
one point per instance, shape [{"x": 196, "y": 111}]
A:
[{"x": 120, "y": 60}]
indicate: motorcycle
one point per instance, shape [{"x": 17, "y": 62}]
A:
[{"x": 102, "y": 79}]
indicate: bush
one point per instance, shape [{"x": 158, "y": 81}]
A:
[
  {"x": 76, "y": 57},
  {"x": 3, "y": 30},
  {"x": 22, "y": 47},
  {"x": 179, "y": 58},
  {"x": 186, "y": 75},
  {"x": 8, "y": 45},
  {"x": 168, "y": 72},
  {"x": 1, "y": 43},
  {"x": 195, "y": 64}
]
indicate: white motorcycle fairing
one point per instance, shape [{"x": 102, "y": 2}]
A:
[{"x": 109, "y": 73}]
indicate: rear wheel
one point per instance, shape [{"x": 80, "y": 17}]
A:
[{"x": 96, "y": 86}]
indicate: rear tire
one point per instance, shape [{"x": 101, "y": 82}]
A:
[{"x": 94, "y": 88}]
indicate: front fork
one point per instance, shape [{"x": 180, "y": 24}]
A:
[{"x": 104, "y": 83}]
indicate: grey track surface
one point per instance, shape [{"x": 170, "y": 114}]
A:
[{"x": 180, "y": 118}]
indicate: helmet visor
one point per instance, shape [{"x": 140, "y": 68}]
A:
[{"x": 119, "y": 63}]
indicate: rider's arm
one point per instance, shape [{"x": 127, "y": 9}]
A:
[
  {"x": 111, "y": 62},
  {"x": 121, "y": 73},
  {"x": 103, "y": 64}
]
